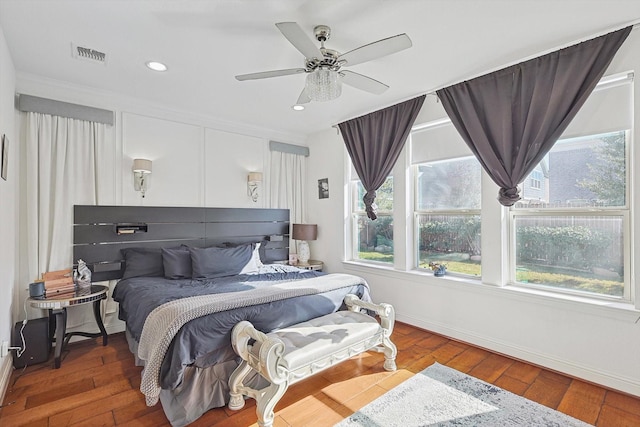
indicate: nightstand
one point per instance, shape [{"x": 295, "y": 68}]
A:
[
  {"x": 57, "y": 306},
  {"x": 313, "y": 264}
]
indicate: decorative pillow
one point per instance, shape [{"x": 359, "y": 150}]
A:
[
  {"x": 254, "y": 263},
  {"x": 176, "y": 262},
  {"x": 142, "y": 262},
  {"x": 261, "y": 252},
  {"x": 208, "y": 263}
]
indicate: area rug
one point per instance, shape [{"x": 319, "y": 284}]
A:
[{"x": 441, "y": 396}]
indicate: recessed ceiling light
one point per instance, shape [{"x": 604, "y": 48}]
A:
[
  {"x": 298, "y": 107},
  {"x": 156, "y": 66}
]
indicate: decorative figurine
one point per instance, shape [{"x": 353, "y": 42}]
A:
[{"x": 82, "y": 275}]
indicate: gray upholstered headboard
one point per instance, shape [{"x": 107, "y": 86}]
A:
[{"x": 99, "y": 232}]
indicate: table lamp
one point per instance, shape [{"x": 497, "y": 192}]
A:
[{"x": 302, "y": 233}]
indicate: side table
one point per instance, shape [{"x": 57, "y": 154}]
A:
[
  {"x": 312, "y": 264},
  {"x": 57, "y": 306}
]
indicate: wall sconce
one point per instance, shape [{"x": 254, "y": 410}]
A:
[
  {"x": 252, "y": 184},
  {"x": 141, "y": 169}
]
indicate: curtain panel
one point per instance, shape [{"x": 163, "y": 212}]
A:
[
  {"x": 62, "y": 163},
  {"x": 287, "y": 178},
  {"x": 511, "y": 118},
  {"x": 374, "y": 142}
]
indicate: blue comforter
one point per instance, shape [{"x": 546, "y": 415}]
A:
[{"x": 206, "y": 341}]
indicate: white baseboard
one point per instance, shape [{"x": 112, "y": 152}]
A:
[
  {"x": 6, "y": 367},
  {"x": 115, "y": 328},
  {"x": 565, "y": 366}
]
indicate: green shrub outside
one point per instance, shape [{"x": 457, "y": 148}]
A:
[{"x": 573, "y": 247}]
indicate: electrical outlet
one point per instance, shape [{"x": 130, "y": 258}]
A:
[{"x": 4, "y": 349}]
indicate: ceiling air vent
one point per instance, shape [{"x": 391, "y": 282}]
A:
[{"x": 88, "y": 54}]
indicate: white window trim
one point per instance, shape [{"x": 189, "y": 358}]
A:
[
  {"x": 415, "y": 262},
  {"x": 495, "y": 222},
  {"x": 350, "y": 246},
  {"x": 513, "y": 214},
  {"x": 622, "y": 311}
]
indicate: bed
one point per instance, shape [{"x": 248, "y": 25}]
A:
[{"x": 178, "y": 322}]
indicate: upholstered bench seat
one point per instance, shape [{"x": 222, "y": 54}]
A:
[
  {"x": 307, "y": 344},
  {"x": 288, "y": 355}
]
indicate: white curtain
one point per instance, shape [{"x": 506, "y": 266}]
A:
[
  {"x": 62, "y": 157},
  {"x": 287, "y": 183}
]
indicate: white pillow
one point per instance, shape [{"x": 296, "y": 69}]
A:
[{"x": 254, "y": 263}]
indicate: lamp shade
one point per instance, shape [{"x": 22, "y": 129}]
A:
[
  {"x": 254, "y": 177},
  {"x": 305, "y": 232},
  {"x": 141, "y": 165}
]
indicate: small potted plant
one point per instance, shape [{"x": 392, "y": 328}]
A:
[{"x": 439, "y": 270}]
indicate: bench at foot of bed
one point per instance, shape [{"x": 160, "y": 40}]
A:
[{"x": 291, "y": 354}]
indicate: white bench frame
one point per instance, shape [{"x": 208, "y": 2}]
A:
[{"x": 266, "y": 356}]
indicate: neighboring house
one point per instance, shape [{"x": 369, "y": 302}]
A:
[
  {"x": 556, "y": 180},
  {"x": 535, "y": 188},
  {"x": 573, "y": 165}
]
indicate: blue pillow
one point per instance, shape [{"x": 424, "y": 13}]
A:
[
  {"x": 142, "y": 262},
  {"x": 209, "y": 263},
  {"x": 176, "y": 262}
]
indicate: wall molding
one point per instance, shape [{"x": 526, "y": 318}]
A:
[
  {"x": 30, "y": 84},
  {"x": 581, "y": 372}
]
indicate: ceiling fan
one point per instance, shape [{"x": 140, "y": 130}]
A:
[{"x": 324, "y": 66}]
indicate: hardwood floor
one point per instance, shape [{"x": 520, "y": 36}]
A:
[{"x": 99, "y": 386}]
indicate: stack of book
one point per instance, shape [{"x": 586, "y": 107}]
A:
[{"x": 58, "y": 283}]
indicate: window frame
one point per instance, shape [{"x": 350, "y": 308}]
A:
[
  {"x": 582, "y": 211},
  {"x": 497, "y": 226},
  {"x": 443, "y": 212},
  {"x": 355, "y": 213}
]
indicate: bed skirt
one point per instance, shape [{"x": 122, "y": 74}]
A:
[{"x": 202, "y": 389}]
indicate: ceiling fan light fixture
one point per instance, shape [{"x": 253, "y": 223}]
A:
[{"x": 323, "y": 84}]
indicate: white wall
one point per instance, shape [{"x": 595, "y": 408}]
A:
[
  {"x": 326, "y": 161},
  {"x": 594, "y": 341},
  {"x": 8, "y": 207},
  {"x": 196, "y": 162},
  {"x": 176, "y": 150},
  {"x": 228, "y": 158}
]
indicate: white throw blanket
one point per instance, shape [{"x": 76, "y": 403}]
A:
[{"x": 164, "y": 322}]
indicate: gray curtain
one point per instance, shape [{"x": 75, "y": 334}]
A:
[
  {"x": 511, "y": 118},
  {"x": 374, "y": 143}
]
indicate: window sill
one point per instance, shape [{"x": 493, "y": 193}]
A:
[
  {"x": 621, "y": 310},
  {"x": 617, "y": 310}
]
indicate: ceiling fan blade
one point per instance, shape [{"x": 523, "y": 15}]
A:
[
  {"x": 303, "y": 98},
  {"x": 375, "y": 50},
  {"x": 269, "y": 74},
  {"x": 363, "y": 82},
  {"x": 299, "y": 39}
]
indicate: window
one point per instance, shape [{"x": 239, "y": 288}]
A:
[
  {"x": 447, "y": 200},
  {"x": 572, "y": 234},
  {"x": 448, "y": 215},
  {"x": 536, "y": 179},
  {"x": 373, "y": 240},
  {"x": 569, "y": 233}
]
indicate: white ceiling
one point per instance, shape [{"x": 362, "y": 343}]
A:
[{"x": 206, "y": 43}]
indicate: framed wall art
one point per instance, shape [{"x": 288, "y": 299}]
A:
[
  {"x": 323, "y": 188},
  {"x": 5, "y": 157}
]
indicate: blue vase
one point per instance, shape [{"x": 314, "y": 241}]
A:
[{"x": 440, "y": 271}]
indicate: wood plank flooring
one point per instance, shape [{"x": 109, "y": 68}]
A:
[{"x": 99, "y": 386}]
